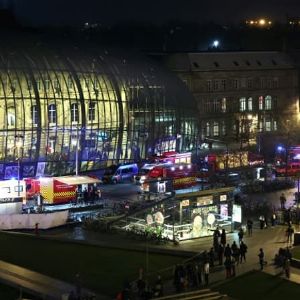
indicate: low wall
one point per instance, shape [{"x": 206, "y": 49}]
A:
[{"x": 28, "y": 221}]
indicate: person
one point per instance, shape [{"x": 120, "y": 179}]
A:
[
  {"x": 158, "y": 288},
  {"x": 262, "y": 222},
  {"x": 227, "y": 265},
  {"x": 261, "y": 257},
  {"x": 211, "y": 255},
  {"x": 206, "y": 272},
  {"x": 273, "y": 219},
  {"x": 282, "y": 201},
  {"x": 241, "y": 235},
  {"x": 289, "y": 233},
  {"x": 233, "y": 263},
  {"x": 227, "y": 251},
  {"x": 243, "y": 251},
  {"x": 216, "y": 239},
  {"x": 85, "y": 195},
  {"x": 220, "y": 254},
  {"x": 223, "y": 237},
  {"x": 286, "y": 267},
  {"x": 249, "y": 227}
]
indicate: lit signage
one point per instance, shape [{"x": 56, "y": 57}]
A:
[
  {"x": 237, "y": 213},
  {"x": 185, "y": 202},
  {"x": 223, "y": 197},
  {"x": 206, "y": 200}
]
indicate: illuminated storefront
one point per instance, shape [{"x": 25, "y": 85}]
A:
[
  {"x": 191, "y": 215},
  {"x": 93, "y": 106}
]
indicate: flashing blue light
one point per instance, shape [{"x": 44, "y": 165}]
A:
[
  {"x": 216, "y": 43},
  {"x": 280, "y": 148},
  {"x": 13, "y": 178}
]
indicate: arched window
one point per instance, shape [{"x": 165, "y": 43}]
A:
[
  {"x": 74, "y": 113},
  {"x": 268, "y": 102},
  {"x": 11, "y": 117},
  {"x": 52, "y": 113}
]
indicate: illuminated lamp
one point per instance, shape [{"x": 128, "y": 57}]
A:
[
  {"x": 173, "y": 169},
  {"x": 180, "y": 167},
  {"x": 211, "y": 219},
  {"x": 262, "y": 22}
]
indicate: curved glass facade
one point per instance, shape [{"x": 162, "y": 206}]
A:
[{"x": 101, "y": 107}]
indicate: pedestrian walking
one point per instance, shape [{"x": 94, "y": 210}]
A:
[
  {"x": 286, "y": 267},
  {"x": 282, "y": 201},
  {"x": 220, "y": 254},
  {"x": 223, "y": 237},
  {"x": 261, "y": 257},
  {"x": 273, "y": 219},
  {"x": 249, "y": 227},
  {"x": 227, "y": 251},
  {"x": 243, "y": 251},
  {"x": 227, "y": 265},
  {"x": 241, "y": 235},
  {"x": 262, "y": 222},
  {"x": 289, "y": 234},
  {"x": 206, "y": 273}
]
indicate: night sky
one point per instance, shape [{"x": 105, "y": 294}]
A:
[{"x": 75, "y": 12}]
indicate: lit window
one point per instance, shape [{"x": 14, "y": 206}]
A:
[
  {"x": 216, "y": 129},
  {"x": 242, "y": 104},
  {"x": 11, "y": 118},
  {"x": 207, "y": 129},
  {"x": 268, "y": 102},
  {"x": 74, "y": 113},
  {"x": 223, "y": 105},
  {"x": 268, "y": 125},
  {"x": 92, "y": 111},
  {"x": 52, "y": 113},
  {"x": 34, "y": 114},
  {"x": 250, "y": 104},
  {"x": 261, "y": 103}
]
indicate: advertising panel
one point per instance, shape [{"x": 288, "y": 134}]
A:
[{"x": 237, "y": 213}]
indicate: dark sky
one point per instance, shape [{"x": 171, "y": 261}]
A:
[{"x": 74, "y": 12}]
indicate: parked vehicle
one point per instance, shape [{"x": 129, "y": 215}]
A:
[{"x": 120, "y": 173}]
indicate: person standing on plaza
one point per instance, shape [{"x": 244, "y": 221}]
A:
[
  {"x": 223, "y": 237},
  {"x": 220, "y": 254},
  {"x": 282, "y": 201},
  {"x": 261, "y": 257},
  {"x": 211, "y": 255},
  {"x": 262, "y": 222},
  {"x": 227, "y": 265},
  {"x": 249, "y": 227},
  {"x": 289, "y": 234},
  {"x": 227, "y": 251},
  {"x": 206, "y": 273},
  {"x": 243, "y": 251},
  {"x": 241, "y": 235}
]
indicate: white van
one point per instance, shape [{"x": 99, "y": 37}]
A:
[{"x": 120, "y": 173}]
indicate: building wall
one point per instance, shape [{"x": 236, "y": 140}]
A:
[{"x": 236, "y": 105}]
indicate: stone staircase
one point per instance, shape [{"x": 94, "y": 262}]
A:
[{"x": 203, "y": 294}]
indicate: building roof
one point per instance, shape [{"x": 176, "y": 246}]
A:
[{"x": 235, "y": 61}]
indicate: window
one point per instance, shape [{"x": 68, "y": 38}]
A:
[
  {"x": 275, "y": 125},
  {"x": 236, "y": 83},
  {"x": 250, "y": 83},
  {"x": 47, "y": 83},
  {"x": 223, "y": 105},
  {"x": 275, "y": 83},
  {"x": 29, "y": 84},
  {"x": 38, "y": 83},
  {"x": 250, "y": 104},
  {"x": 11, "y": 117},
  {"x": 216, "y": 129},
  {"x": 243, "y": 83},
  {"x": 243, "y": 104},
  {"x": 209, "y": 85},
  {"x": 261, "y": 103},
  {"x": 216, "y": 85},
  {"x": 268, "y": 125},
  {"x": 52, "y": 113},
  {"x": 74, "y": 113},
  {"x": 268, "y": 103},
  {"x": 207, "y": 127},
  {"x": 223, "y": 84},
  {"x": 92, "y": 111},
  {"x": 223, "y": 128},
  {"x": 34, "y": 114}
]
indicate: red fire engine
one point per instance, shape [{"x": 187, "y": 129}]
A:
[{"x": 182, "y": 175}]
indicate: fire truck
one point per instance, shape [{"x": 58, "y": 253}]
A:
[
  {"x": 182, "y": 175},
  {"x": 57, "y": 190},
  {"x": 174, "y": 157}
]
